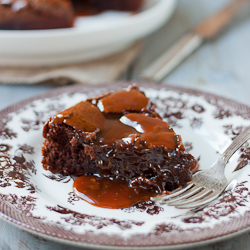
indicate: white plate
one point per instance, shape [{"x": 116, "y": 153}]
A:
[
  {"x": 92, "y": 37},
  {"x": 44, "y": 204}
]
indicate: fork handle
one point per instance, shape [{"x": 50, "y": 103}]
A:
[{"x": 236, "y": 144}]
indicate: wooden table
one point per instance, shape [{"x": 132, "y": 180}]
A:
[{"x": 221, "y": 67}]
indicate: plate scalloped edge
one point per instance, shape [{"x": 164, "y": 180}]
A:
[{"x": 162, "y": 234}]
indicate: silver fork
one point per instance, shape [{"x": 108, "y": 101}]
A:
[{"x": 206, "y": 185}]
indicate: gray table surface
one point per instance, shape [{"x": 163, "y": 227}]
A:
[{"x": 221, "y": 66}]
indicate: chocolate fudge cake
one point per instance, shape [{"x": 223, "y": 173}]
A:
[
  {"x": 53, "y": 14},
  {"x": 128, "y": 5},
  {"x": 117, "y": 135},
  {"x": 35, "y": 14}
]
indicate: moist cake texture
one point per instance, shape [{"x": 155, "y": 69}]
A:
[{"x": 117, "y": 135}]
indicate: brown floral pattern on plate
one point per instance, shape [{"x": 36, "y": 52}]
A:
[
  {"x": 97, "y": 222},
  {"x": 244, "y": 158},
  {"x": 147, "y": 206},
  {"x": 40, "y": 117},
  {"x": 225, "y": 206},
  {"x": 15, "y": 170},
  {"x": 5, "y": 132},
  {"x": 28, "y": 202}
]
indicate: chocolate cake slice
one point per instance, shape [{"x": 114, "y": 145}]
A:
[
  {"x": 35, "y": 14},
  {"x": 54, "y": 14},
  {"x": 117, "y": 135},
  {"x": 128, "y": 5}
]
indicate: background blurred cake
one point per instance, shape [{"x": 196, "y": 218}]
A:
[
  {"x": 129, "y": 5},
  {"x": 35, "y": 14},
  {"x": 53, "y": 14}
]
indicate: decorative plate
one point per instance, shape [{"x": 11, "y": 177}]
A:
[
  {"x": 91, "y": 37},
  {"x": 44, "y": 204}
]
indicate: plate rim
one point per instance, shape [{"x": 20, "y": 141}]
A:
[{"x": 120, "y": 84}]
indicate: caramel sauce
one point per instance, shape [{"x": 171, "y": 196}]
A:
[
  {"x": 115, "y": 132},
  {"x": 83, "y": 116},
  {"x": 155, "y": 132},
  {"x": 164, "y": 139},
  {"x": 107, "y": 193},
  {"x": 195, "y": 168},
  {"x": 133, "y": 127},
  {"x": 145, "y": 124},
  {"x": 121, "y": 101},
  {"x": 106, "y": 116}
]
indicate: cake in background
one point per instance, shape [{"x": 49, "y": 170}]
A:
[
  {"x": 127, "y": 5},
  {"x": 54, "y": 14},
  {"x": 35, "y": 14}
]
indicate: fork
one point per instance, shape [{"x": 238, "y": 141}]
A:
[{"x": 206, "y": 185}]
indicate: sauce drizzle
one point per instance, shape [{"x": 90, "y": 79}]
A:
[{"x": 107, "y": 193}]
